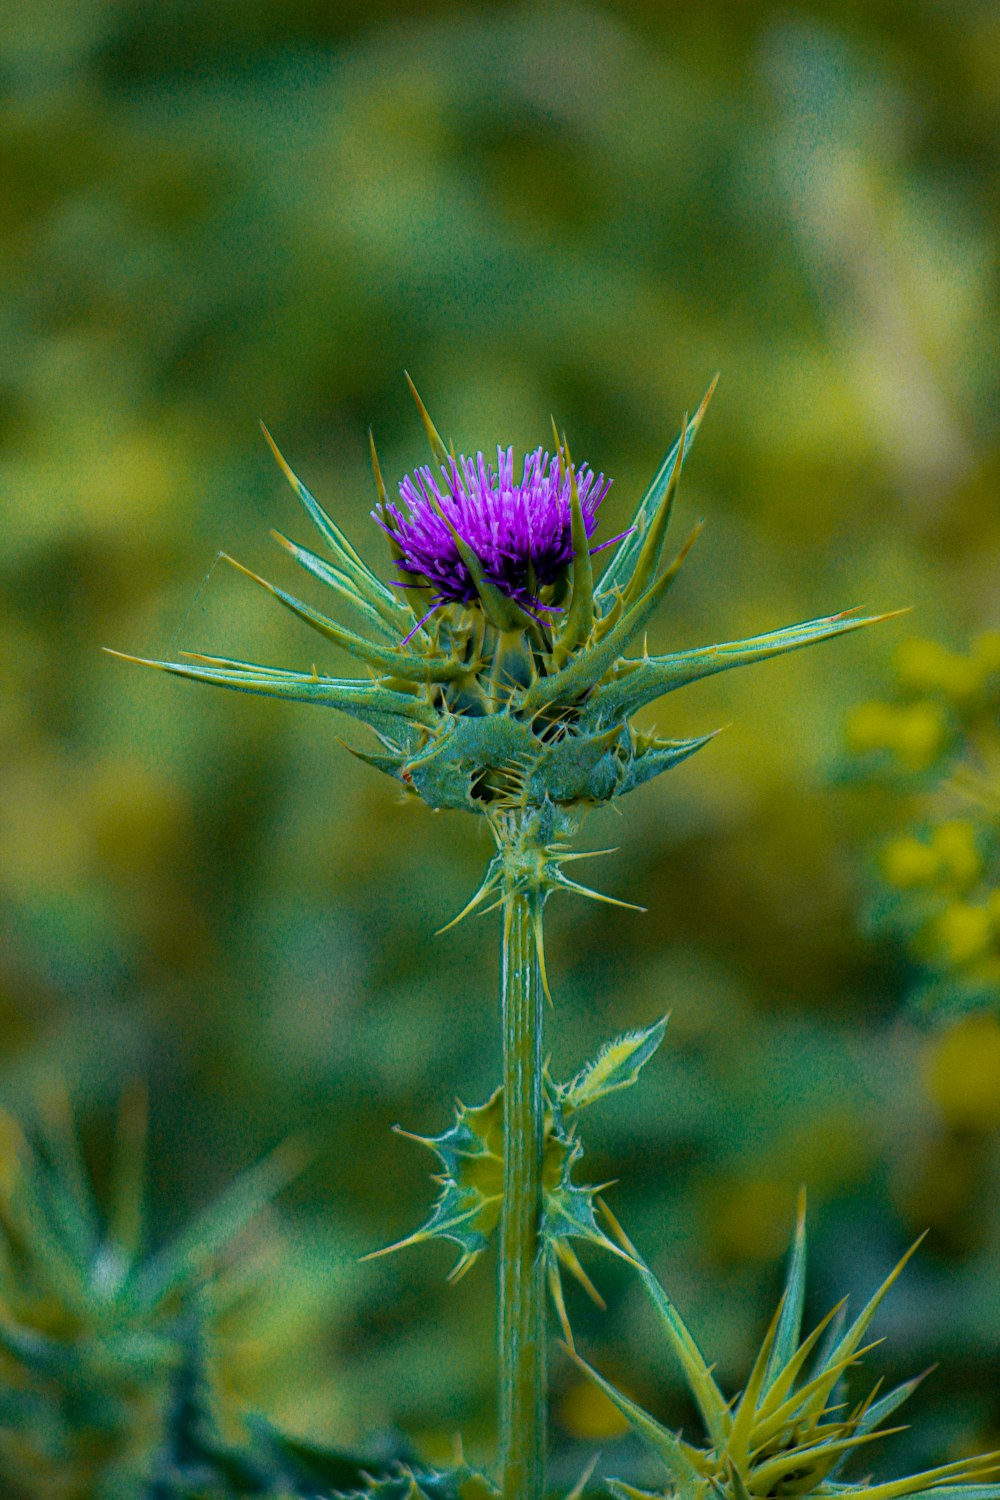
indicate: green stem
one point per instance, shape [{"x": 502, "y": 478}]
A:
[{"x": 522, "y": 1274}]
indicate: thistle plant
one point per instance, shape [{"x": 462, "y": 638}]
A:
[{"x": 504, "y": 669}]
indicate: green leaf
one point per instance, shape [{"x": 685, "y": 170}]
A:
[
  {"x": 710, "y": 1401},
  {"x": 616, "y": 1066},
  {"x": 361, "y": 700},
  {"x": 954, "y": 1492},
  {"x": 574, "y": 767},
  {"x": 847, "y": 1346},
  {"x": 789, "y": 1330},
  {"x": 652, "y": 544},
  {"x": 658, "y": 756},
  {"x": 624, "y": 1491},
  {"x": 777, "y": 1402},
  {"x": 741, "y": 1432},
  {"x": 589, "y": 666},
  {"x": 809, "y": 1402},
  {"x": 879, "y": 1410},
  {"x": 579, "y": 617},
  {"x": 767, "y": 1476},
  {"x": 617, "y": 573},
  {"x": 438, "y": 446},
  {"x": 924, "y": 1485},
  {"x": 334, "y": 578},
  {"x": 665, "y": 1444},
  {"x": 640, "y": 682},
  {"x": 395, "y": 661},
  {"x": 380, "y": 596}
]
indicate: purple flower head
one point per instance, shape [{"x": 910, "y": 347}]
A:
[{"x": 520, "y": 530}]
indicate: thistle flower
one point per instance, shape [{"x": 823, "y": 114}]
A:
[
  {"x": 499, "y": 668},
  {"x": 520, "y": 530}
]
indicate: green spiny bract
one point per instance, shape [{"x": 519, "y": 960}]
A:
[
  {"x": 483, "y": 704},
  {"x": 790, "y": 1432},
  {"x": 468, "y": 1206},
  {"x": 91, "y": 1322}
]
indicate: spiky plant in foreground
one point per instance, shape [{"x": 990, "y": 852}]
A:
[
  {"x": 104, "y": 1384},
  {"x": 791, "y": 1431},
  {"x": 500, "y": 684},
  {"x": 92, "y": 1321}
]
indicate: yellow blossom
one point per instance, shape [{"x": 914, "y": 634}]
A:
[
  {"x": 955, "y": 845},
  {"x": 963, "y": 1073},
  {"x": 986, "y": 651},
  {"x": 920, "y": 734},
  {"x": 928, "y": 667},
  {"x": 963, "y": 932},
  {"x": 915, "y": 732},
  {"x": 906, "y": 862},
  {"x": 871, "y": 726}
]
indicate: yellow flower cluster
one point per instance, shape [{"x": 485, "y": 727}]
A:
[
  {"x": 944, "y": 874},
  {"x": 916, "y": 733},
  {"x": 939, "y": 690},
  {"x": 962, "y": 1069}
]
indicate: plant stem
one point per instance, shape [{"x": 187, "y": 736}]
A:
[{"x": 522, "y": 1273}]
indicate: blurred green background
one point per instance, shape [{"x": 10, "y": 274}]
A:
[{"x": 217, "y": 211}]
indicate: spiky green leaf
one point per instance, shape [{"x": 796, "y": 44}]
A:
[
  {"x": 636, "y": 683},
  {"x": 367, "y": 583},
  {"x": 394, "y": 661},
  {"x": 620, "y": 568},
  {"x": 616, "y": 1066},
  {"x": 667, "y": 1446},
  {"x": 789, "y": 1330},
  {"x": 375, "y": 705}
]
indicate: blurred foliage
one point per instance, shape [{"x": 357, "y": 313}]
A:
[
  {"x": 938, "y": 744},
  {"x": 94, "y": 1331},
  {"x": 215, "y": 212}
]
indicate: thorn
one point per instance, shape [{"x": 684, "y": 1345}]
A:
[
  {"x": 559, "y": 449},
  {"x": 410, "y": 1135},
  {"x": 377, "y": 471},
  {"x": 616, "y": 1229},
  {"x": 703, "y": 408},
  {"x": 559, "y": 1301},
  {"x": 464, "y": 1263},
  {"x": 572, "y": 1263},
  {"x": 540, "y": 952},
  {"x": 282, "y": 465},
  {"x": 489, "y": 885},
  {"x": 564, "y": 883},
  {"x": 438, "y": 446},
  {"x": 586, "y": 854},
  {"x": 576, "y": 1493},
  {"x": 416, "y": 1238},
  {"x": 139, "y": 661}
]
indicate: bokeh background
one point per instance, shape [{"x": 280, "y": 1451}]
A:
[{"x": 217, "y": 211}]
